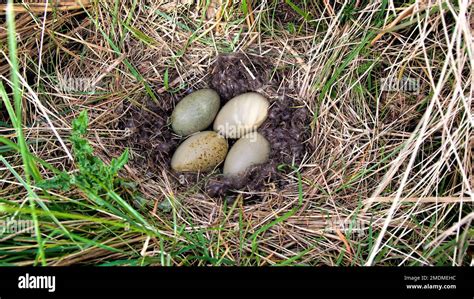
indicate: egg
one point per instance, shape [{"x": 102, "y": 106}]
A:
[
  {"x": 241, "y": 115},
  {"x": 200, "y": 152},
  {"x": 251, "y": 149},
  {"x": 195, "y": 112}
]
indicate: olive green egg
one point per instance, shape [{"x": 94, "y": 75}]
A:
[
  {"x": 200, "y": 152},
  {"x": 251, "y": 149},
  {"x": 195, "y": 112},
  {"x": 241, "y": 115}
]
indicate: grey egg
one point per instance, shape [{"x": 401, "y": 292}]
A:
[
  {"x": 195, "y": 112},
  {"x": 252, "y": 149},
  {"x": 200, "y": 152},
  {"x": 241, "y": 115}
]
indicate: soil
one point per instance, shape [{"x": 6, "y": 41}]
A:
[{"x": 286, "y": 128}]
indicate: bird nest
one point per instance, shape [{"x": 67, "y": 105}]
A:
[{"x": 153, "y": 142}]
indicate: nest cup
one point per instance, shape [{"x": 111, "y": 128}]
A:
[{"x": 285, "y": 129}]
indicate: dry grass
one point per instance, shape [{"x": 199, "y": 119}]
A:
[{"x": 396, "y": 164}]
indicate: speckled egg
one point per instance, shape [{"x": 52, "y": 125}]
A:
[
  {"x": 241, "y": 115},
  {"x": 252, "y": 149},
  {"x": 200, "y": 152},
  {"x": 195, "y": 112}
]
